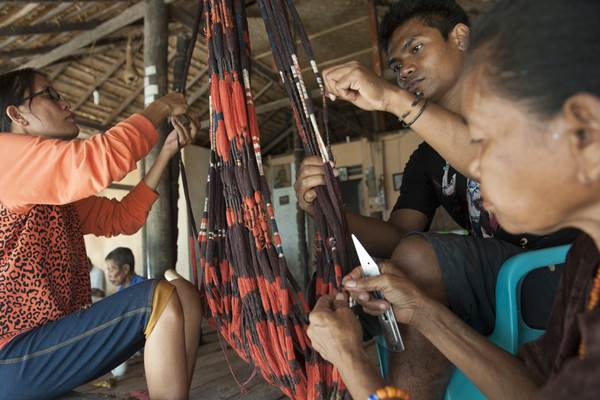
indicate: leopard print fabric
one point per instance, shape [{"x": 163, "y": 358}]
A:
[{"x": 44, "y": 274}]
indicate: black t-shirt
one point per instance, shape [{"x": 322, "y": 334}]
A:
[{"x": 429, "y": 182}]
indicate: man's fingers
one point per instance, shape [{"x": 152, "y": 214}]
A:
[
  {"x": 310, "y": 170},
  {"x": 333, "y": 74},
  {"x": 309, "y": 196},
  {"x": 312, "y": 160},
  {"x": 311, "y": 182}
]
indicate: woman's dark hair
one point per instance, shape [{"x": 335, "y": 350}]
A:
[
  {"x": 122, "y": 256},
  {"x": 539, "y": 51},
  {"x": 440, "y": 14},
  {"x": 14, "y": 86}
]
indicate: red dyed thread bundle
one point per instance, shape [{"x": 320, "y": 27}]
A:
[{"x": 256, "y": 304}]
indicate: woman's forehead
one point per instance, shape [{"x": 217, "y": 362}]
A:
[{"x": 40, "y": 82}]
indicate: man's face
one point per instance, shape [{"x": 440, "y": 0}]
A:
[
  {"x": 423, "y": 60},
  {"x": 115, "y": 273}
]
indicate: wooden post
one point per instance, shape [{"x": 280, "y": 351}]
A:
[
  {"x": 178, "y": 85},
  {"x": 159, "y": 244}
]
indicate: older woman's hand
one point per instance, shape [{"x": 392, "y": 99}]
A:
[
  {"x": 334, "y": 330},
  {"x": 396, "y": 288}
]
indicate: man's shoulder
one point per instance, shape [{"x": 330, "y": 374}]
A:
[{"x": 427, "y": 159}]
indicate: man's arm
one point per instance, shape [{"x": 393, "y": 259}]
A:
[
  {"x": 444, "y": 130},
  {"x": 381, "y": 237}
]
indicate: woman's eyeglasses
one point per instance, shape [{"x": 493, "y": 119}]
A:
[{"x": 49, "y": 92}]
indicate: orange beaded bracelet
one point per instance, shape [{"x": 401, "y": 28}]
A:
[{"x": 389, "y": 393}]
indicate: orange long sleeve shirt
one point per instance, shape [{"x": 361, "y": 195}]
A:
[{"x": 47, "y": 205}]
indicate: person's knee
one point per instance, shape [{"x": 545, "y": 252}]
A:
[
  {"x": 173, "y": 311},
  {"x": 195, "y": 302},
  {"x": 189, "y": 297},
  {"x": 415, "y": 256}
]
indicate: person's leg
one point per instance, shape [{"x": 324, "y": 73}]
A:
[
  {"x": 165, "y": 360},
  {"x": 190, "y": 300},
  {"x": 460, "y": 272},
  {"x": 54, "y": 358},
  {"x": 421, "y": 369}
]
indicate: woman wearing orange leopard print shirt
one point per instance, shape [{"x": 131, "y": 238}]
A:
[{"x": 50, "y": 342}]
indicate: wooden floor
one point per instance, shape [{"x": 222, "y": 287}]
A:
[{"x": 212, "y": 379}]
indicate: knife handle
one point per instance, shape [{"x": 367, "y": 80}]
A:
[{"x": 389, "y": 327}]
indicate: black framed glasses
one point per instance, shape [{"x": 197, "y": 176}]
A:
[{"x": 49, "y": 92}]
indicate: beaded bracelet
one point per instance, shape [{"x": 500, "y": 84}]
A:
[{"x": 389, "y": 393}]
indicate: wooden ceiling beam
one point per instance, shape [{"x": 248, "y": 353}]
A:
[
  {"x": 125, "y": 18},
  {"x": 131, "y": 98},
  {"x": 47, "y": 16},
  {"x": 324, "y": 32},
  {"x": 28, "y": 8},
  {"x": 195, "y": 96},
  {"x": 61, "y": 1},
  {"x": 49, "y": 27},
  {"x": 350, "y": 126},
  {"x": 110, "y": 72},
  {"x": 278, "y": 139},
  {"x": 263, "y": 90},
  {"x": 45, "y": 49}
]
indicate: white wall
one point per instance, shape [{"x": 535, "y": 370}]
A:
[{"x": 196, "y": 164}]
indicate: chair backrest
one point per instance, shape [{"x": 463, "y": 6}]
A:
[{"x": 510, "y": 331}]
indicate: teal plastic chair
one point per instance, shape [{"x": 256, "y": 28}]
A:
[{"x": 510, "y": 331}]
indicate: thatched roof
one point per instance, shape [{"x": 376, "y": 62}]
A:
[{"x": 81, "y": 46}]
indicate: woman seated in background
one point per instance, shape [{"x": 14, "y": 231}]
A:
[
  {"x": 532, "y": 103},
  {"x": 50, "y": 340}
]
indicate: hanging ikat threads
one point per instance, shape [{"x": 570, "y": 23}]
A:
[{"x": 256, "y": 304}]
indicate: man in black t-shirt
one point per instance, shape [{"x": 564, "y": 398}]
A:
[{"x": 426, "y": 41}]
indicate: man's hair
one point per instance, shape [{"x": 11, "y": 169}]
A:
[
  {"x": 440, "y": 14},
  {"x": 14, "y": 86},
  {"x": 540, "y": 52},
  {"x": 122, "y": 256}
]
